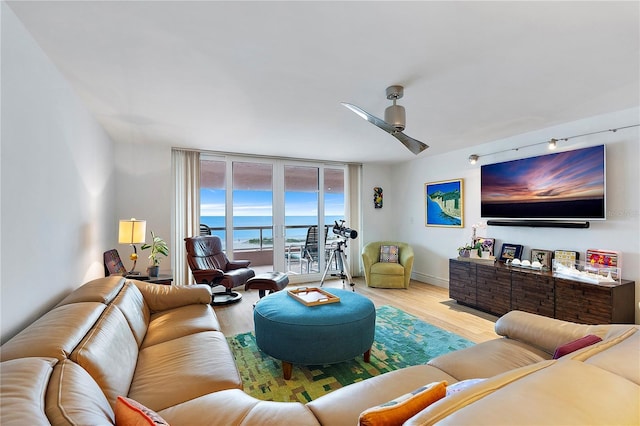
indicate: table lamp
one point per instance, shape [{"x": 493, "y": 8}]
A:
[{"x": 132, "y": 231}]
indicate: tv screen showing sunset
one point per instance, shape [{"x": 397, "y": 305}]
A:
[{"x": 564, "y": 185}]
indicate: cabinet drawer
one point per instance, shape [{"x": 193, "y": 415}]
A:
[
  {"x": 533, "y": 293},
  {"x": 582, "y": 302},
  {"x": 493, "y": 289},
  {"x": 462, "y": 282}
]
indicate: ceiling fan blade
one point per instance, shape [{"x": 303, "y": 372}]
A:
[
  {"x": 371, "y": 118},
  {"x": 412, "y": 145}
]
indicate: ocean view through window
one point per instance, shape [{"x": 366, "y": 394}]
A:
[
  {"x": 268, "y": 211},
  {"x": 248, "y": 230}
]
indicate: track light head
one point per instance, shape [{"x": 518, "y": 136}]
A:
[
  {"x": 473, "y": 159},
  {"x": 552, "y": 144}
]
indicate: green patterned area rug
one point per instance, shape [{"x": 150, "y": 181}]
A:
[{"x": 401, "y": 340}]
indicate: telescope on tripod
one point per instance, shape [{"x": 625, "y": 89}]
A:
[{"x": 339, "y": 256}]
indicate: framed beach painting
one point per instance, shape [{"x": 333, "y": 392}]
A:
[{"x": 444, "y": 205}]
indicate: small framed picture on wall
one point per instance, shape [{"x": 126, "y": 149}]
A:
[{"x": 377, "y": 197}]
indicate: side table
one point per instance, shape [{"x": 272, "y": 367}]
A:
[
  {"x": 165, "y": 279},
  {"x": 161, "y": 279}
]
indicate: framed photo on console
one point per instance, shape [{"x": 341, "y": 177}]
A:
[
  {"x": 566, "y": 257},
  {"x": 542, "y": 256},
  {"x": 603, "y": 257},
  {"x": 488, "y": 244},
  {"x": 510, "y": 252}
]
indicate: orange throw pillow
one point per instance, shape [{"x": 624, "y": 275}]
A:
[
  {"x": 131, "y": 413},
  {"x": 401, "y": 409}
]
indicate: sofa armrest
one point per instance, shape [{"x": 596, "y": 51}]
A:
[
  {"x": 162, "y": 297},
  {"x": 370, "y": 256},
  {"x": 542, "y": 332}
]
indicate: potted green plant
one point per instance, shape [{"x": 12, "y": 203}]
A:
[
  {"x": 158, "y": 247},
  {"x": 465, "y": 251}
]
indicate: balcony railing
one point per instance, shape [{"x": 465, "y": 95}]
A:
[
  {"x": 258, "y": 247},
  {"x": 264, "y": 237}
]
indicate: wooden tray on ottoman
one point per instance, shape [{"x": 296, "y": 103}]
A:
[{"x": 312, "y": 296}]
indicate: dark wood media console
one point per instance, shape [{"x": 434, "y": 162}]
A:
[{"x": 498, "y": 289}]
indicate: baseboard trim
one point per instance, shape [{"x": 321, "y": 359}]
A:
[{"x": 429, "y": 279}]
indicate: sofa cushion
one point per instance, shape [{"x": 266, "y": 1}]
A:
[
  {"x": 459, "y": 400},
  {"x": 74, "y": 398},
  {"x": 400, "y": 409},
  {"x": 101, "y": 290},
  {"x": 182, "y": 369},
  {"x": 234, "y": 407},
  {"x": 488, "y": 358},
  {"x": 619, "y": 356},
  {"x": 562, "y": 393},
  {"x": 344, "y": 405},
  {"x": 174, "y": 323},
  {"x": 55, "y": 334},
  {"x": 574, "y": 345},
  {"x": 131, "y": 302},
  {"x": 24, "y": 382},
  {"x": 129, "y": 412},
  {"x": 163, "y": 297},
  {"x": 109, "y": 353}
]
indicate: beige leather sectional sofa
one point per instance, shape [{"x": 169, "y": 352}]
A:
[{"x": 162, "y": 346}]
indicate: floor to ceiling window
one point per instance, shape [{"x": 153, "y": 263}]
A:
[
  {"x": 278, "y": 213},
  {"x": 213, "y": 197}
]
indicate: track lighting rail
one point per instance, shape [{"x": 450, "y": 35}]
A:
[{"x": 473, "y": 158}]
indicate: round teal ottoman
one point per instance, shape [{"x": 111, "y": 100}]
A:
[{"x": 294, "y": 333}]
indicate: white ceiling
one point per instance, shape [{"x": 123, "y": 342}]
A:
[{"x": 268, "y": 77}]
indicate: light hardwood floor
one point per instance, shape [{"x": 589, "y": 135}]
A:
[{"x": 427, "y": 302}]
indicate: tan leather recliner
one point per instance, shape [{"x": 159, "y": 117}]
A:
[{"x": 387, "y": 274}]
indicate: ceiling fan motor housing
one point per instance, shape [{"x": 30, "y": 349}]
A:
[{"x": 395, "y": 116}]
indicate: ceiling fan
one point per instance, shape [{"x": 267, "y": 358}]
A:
[{"x": 394, "y": 120}]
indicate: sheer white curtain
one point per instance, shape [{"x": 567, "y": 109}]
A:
[
  {"x": 355, "y": 213},
  {"x": 186, "y": 210}
]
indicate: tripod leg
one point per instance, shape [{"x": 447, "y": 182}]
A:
[
  {"x": 346, "y": 272},
  {"x": 333, "y": 254}
]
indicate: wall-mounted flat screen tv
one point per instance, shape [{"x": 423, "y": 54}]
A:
[{"x": 561, "y": 186}]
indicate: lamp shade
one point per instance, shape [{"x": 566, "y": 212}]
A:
[{"x": 132, "y": 231}]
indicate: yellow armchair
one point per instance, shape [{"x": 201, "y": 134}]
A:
[{"x": 387, "y": 274}]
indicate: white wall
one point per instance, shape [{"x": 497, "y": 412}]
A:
[
  {"x": 378, "y": 223},
  {"x": 57, "y": 188},
  {"x": 435, "y": 245},
  {"x": 145, "y": 191}
]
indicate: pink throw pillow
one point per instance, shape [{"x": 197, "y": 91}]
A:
[{"x": 580, "y": 343}]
